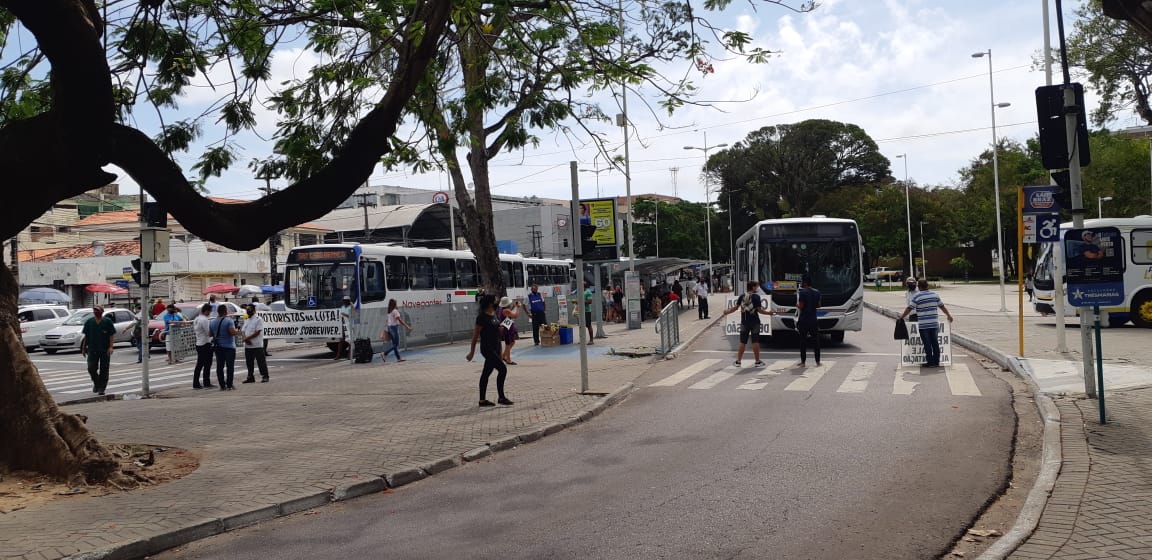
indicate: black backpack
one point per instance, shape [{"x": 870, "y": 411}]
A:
[{"x": 362, "y": 351}]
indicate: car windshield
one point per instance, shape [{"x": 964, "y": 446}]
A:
[{"x": 78, "y": 318}]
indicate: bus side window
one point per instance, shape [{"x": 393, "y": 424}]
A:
[
  {"x": 506, "y": 271},
  {"x": 467, "y": 270},
  {"x": 534, "y": 275},
  {"x": 420, "y": 269},
  {"x": 397, "y": 272},
  {"x": 518, "y": 274},
  {"x": 445, "y": 273},
  {"x": 372, "y": 285}
]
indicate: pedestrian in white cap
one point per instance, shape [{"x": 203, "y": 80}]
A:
[{"x": 507, "y": 315}]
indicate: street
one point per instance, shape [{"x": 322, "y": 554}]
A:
[{"x": 855, "y": 459}]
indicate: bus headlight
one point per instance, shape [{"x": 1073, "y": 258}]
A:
[{"x": 855, "y": 307}]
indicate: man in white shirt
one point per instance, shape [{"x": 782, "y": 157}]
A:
[
  {"x": 201, "y": 327},
  {"x": 702, "y": 296},
  {"x": 253, "y": 334}
]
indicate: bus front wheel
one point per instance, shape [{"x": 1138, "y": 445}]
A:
[{"x": 1142, "y": 310}]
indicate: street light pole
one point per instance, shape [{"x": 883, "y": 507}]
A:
[
  {"x": 707, "y": 200},
  {"x": 996, "y": 176},
  {"x": 908, "y": 212},
  {"x": 1100, "y": 200},
  {"x": 923, "y": 255}
]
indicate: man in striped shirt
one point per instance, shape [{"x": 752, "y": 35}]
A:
[{"x": 925, "y": 303}]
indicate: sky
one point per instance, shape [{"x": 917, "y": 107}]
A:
[{"x": 900, "y": 69}]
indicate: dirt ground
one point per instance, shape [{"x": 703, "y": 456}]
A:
[
  {"x": 1000, "y": 515},
  {"x": 144, "y": 465}
]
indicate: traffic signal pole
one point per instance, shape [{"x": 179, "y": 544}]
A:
[
  {"x": 578, "y": 261},
  {"x": 1071, "y": 116}
]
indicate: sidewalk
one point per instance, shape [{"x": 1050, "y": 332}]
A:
[
  {"x": 1093, "y": 497},
  {"x": 325, "y": 432}
]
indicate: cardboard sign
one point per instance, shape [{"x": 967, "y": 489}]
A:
[
  {"x": 912, "y": 349},
  {"x": 732, "y": 320}
]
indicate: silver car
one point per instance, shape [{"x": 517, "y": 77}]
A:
[
  {"x": 37, "y": 319},
  {"x": 68, "y": 336}
]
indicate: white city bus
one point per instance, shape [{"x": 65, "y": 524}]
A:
[
  {"x": 777, "y": 253},
  {"x": 318, "y": 277},
  {"x": 1136, "y": 234}
]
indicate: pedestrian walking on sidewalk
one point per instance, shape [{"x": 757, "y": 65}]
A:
[
  {"x": 538, "y": 310},
  {"x": 750, "y": 307},
  {"x": 925, "y": 303},
  {"x": 345, "y": 324},
  {"x": 487, "y": 333},
  {"x": 202, "y": 328},
  {"x": 1029, "y": 286},
  {"x": 507, "y": 314},
  {"x": 910, "y": 292},
  {"x": 702, "y": 296},
  {"x": 392, "y": 331},
  {"x": 807, "y": 304},
  {"x": 253, "y": 335},
  {"x": 99, "y": 335},
  {"x": 224, "y": 337}
]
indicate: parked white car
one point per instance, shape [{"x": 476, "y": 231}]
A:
[
  {"x": 67, "y": 336},
  {"x": 37, "y": 319}
]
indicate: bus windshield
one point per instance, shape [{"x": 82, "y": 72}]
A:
[
  {"x": 833, "y": 265},
  {"x": 319, "y": 285}
]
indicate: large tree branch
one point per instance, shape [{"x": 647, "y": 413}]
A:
[{"x": 247, "y": 226}]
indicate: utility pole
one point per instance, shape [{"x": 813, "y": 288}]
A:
[
  {"x": 364, "y": 204},
  {"x": 537, "y": 236},
  {"x": 274, "y": 241}
]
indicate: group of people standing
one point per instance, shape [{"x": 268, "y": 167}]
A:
[{"x": 216, "y": 338}]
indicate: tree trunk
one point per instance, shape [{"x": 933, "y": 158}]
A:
[{"x": 34, "y": 434}]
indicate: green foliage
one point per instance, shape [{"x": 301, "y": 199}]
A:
[
  {"x": 962, "y": 265},
  {"x": 1117, "y": 61},
  {"x": 681, "y": 224}
]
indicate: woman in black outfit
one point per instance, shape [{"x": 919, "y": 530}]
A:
[{"x": 487, "y": 331}]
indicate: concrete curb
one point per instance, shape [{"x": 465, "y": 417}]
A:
[
  {"x": 1051, "y": 454},
  {"x": 210, "y": 527}
]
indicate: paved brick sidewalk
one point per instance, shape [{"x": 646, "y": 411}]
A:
[
  {"x": 1101, "y": 503},
  {"x": 285, "y": 446}
]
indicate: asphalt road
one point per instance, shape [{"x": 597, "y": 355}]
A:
[{"x": 751, "y": 463}]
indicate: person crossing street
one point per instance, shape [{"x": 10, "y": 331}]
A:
[{"x": 926, "y": 303}]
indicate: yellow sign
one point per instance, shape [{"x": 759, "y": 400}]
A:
[{"x": 600, "y": 212}]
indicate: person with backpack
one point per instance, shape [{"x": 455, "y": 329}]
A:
[{"x": 750, "y": 306}]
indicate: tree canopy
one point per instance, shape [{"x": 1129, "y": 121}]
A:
[{"x": 1116, "y": 59}]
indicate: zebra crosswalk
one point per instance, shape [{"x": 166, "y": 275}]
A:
[
  {"x": 787, "y": 375},
  {"x": 70, "y": 377}
]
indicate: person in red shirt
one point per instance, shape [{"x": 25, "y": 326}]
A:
[{"x": 159, "y": 307}]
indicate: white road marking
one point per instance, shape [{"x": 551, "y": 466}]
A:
[
  {"x": 716, "y": 378},
  {"x": 762, "y": 379},
  {"x": 810, "y": 377},
  {"x": 901, "y": 386},
  {"x": 688, "y": 371},
  {"x": 960, "y": 381},
  {"x": 857, "y": 380}
]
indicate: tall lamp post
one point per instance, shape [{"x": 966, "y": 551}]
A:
[
  {"x": 1100, "y": 200},
  {"x": 996, "y": 175},
  {"x": 597, "y": 170},
  {"x": 908, "y": 212},
  {"x": 923, "y": 255},
  {"x": 707, "y": 199}
]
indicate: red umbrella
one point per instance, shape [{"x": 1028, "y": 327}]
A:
[
  {"x": 221, "y": 288},
  {"x": 103, "y": 288}
]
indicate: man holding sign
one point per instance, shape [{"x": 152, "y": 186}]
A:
[
  {"x": 925, "y": 303},
  {"x": 750, "y": 307}
]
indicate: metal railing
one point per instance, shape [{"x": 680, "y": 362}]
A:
[{"x": 668, "y": 327}]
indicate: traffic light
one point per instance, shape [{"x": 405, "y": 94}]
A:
[
  {"x": 1050, "y": 113},
  {"x": 1064, "y": 189},
  {"x": 587, "y": 244},
  {"x": 153, "y": 215},
  {"x": 141, "y": 276}
]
